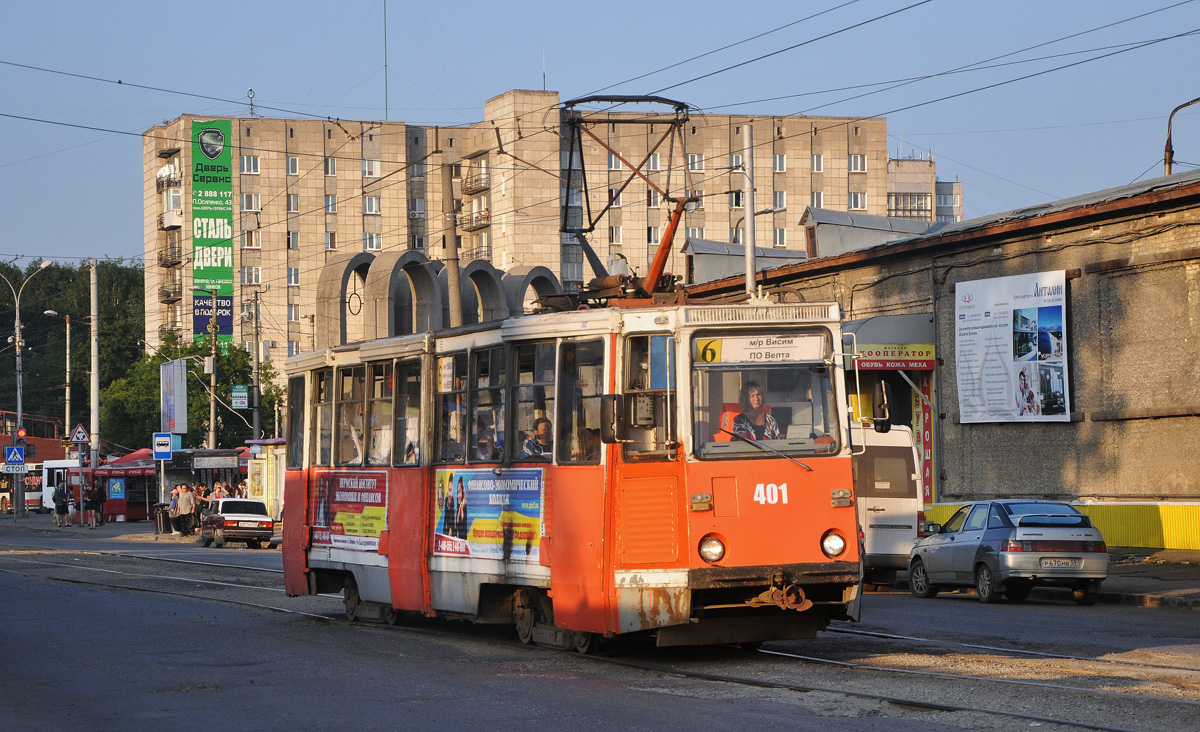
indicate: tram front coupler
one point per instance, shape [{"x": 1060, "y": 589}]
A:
[{"x": 782, "y": 593}]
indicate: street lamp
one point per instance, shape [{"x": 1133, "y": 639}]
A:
[
  {"x": 67, "y": 414},
  {"x": 19, "y": 510},
  {"x": 212, "y": 369}
]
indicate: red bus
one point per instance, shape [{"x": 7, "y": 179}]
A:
[{"x": 678, "y": 470}]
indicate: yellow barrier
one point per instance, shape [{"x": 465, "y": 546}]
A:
[{"x": 1150, "y": 525}]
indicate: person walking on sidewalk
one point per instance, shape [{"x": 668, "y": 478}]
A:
[
  {"x": 89, "y": 507},
  {"x": 187, "y": 507},
  {"x": 60, "y": 507}
]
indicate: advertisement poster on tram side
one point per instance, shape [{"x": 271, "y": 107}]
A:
[
  {"x": 480, "y": 514},
  {"x": 1010, "y": 344},
  {"x": 349, "y": 510}
]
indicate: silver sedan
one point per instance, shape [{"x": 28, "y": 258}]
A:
[{"x": 1005, "y": 548}]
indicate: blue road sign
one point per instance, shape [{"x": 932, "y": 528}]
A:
[
  {"x": 14, "y": 455},
  {"x": 162, "y": 445}
]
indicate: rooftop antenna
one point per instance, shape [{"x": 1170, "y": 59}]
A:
[
  {"x": 250, "y": 94},
  {"x": 385, "y": 75},
  {"x": 543, "y": 68}
]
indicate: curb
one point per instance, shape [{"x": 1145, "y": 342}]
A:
[{"x": 1135, "y": 599}]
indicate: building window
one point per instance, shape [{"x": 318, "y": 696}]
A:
[
  {"x": 372, "y": 242},
  {"x": 330, "y": 166},
  {"x": 293, "y": 313},
  {"x": 293, "y": 203},
  {"x": 248, "y": 311},
  {"x": 415, "y": 170},
  {"x": 370, "y": 168},
  {"x": 251, "y": 239},
  {"x": 818, "y": 163},
  {"x": 614, "y": 161},
  {"x": 858, "y": 163},
  {"x": 652, "y": 235},
  {"x": 251, "y": 202},
  {"x": 779, "y": 200},
  {"x": 780, "y": 164},
  {"x": 417, "y": 241},
  {"x": 945, "y": 199},
  {"x": 735, "y": 199},
  {"x": 330, "y": 241},
  {"x": 416, "y": 205},
  {"x": 695, "y": 232},
  {"x": 780, "y": 240},
  {"x": 330, "y": 203},
  {"x": 293, "y": 166},
  {"x": 911, "y": 206},
  {"x": 695, "y": 161},
  {"x": 293, "y": 240},
  {"x": 174, "y": 199},
  {"x": 370, "y": 204},
  {"x": 652, "y": 198},
  {"x": 700, "y": 198},
  {"x": 614, "y": 197},
  {"x": 735, "y": 162},
  {"x": 456, "y": 170},
  {"x": 816, "y": 199},
  {"x": 251, "y": 275},
  {"x": 858, "y": 202},
  {"x": 652, "y": 162},
  {"x": 293, "y": 275},
  {"x": 249, "y": 165},
  {"x": 614, "y": 235},
  {"x": 293, "y": 348},
  {"x": 735, "y": 236}
]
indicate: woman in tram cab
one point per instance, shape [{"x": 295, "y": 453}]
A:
[{"x": 755, "y": 422}]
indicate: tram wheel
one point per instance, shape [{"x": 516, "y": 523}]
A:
[
  {"x": 350, "y": 599},
  {"x": 585, "y": 643},
  {"x": 525, "y": 620},
  {"x": 389, "y": 615}
]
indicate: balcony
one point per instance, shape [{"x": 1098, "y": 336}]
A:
[
  {"x": 483, "y": 252},
  {"x": 172, "y": 218},
  {"x": 168, "y": 152},
  {"x": 162, "y": 184},
  {"x": 166, "y": 329},
  {"x": 476, "y": 181},
  {"x": 475, "y": 221},
  {"x": 170, "y": 292},
  {"x": 170, "y": 256}
]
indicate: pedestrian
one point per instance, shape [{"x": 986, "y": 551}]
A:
[
  {"x": 187, "y": 507},
  {"x": 101, "y": 497},
  {"x": 89, "y": 507},
  {"x": 173, "y": 511},
  {"x": 201, "y": 497},
  {"x": 60, "y": 507}
]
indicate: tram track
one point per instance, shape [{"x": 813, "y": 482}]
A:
[{"x": 112, "y": 579}]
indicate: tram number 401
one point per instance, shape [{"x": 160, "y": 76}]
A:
[{"x": 769, "y": 493}]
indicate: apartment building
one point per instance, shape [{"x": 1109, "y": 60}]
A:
[{"x": 253, "y": 208}]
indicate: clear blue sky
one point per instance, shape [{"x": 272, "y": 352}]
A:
[{"x": 71, "y": 193}]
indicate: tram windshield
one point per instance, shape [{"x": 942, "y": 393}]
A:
[{"x": 763, "y": 395}]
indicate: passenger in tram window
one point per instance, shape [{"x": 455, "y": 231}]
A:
[
  {"x": 590, "y": 445},
  {"x": 410, "y": 454},
  {"x": 485, "y": 442},
  {"x": 541, "y": 444},
  {"x": 755, "y": 422}
]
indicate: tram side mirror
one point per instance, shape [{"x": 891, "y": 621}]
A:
[
  {"x": 612, "y": 418},
  {"x": 882, "y": 410}
]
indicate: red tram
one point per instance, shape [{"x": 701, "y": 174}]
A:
[{"x": 682, "y": 470}]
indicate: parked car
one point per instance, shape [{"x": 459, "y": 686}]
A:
[
  {"x": 237, "y": 519},
  {"x": 1009, "y": 547}
]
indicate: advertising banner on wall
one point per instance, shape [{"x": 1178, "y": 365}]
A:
[
  {"x": 349, "y": 510},
  {"x": 1010, "y": 343},
  {"x": 480, "y": 514},
  {"x": 172, "y": 389},
  {"x": 212, "y": 227}
]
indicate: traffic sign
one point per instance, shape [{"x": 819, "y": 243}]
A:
[
  {"x": 240, "y": 396},
  {"x": 162, "y": 445},
  {"x": 16, "y": 469},
  {"x": 80, "y": 434},
  {"x": 14, "y": 455}
]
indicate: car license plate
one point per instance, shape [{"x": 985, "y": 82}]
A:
[
  {"x": 1061, "y": 563},
  {"x": 254, "y": 525}
]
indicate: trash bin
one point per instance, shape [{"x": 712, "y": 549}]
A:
[{"x": 162, "y": 518}]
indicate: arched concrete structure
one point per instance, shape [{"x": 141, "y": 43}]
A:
[
  {"x": 519, "y": 280},
  {"x": 482, "y": 293},
  {"x": 333, "y": 320},
  {"x": 398, "y": 280},
  {"x": 426, "y": 283}
]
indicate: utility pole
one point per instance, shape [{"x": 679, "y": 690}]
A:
[
  {"x": 748, "y": 202},
  {"x": 256, "y": 429},
  {"x": 212, "y": 374},
  {"x": 95, "y": 380},
  {"x": 67, "y": 414}
]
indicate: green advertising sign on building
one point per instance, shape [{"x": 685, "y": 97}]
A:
[{"x": 212, "y": 227}]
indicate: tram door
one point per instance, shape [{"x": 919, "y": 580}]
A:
[{"x": 648, "y": 523}]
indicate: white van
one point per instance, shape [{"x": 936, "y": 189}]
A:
[{"x": 890, "y": 492}]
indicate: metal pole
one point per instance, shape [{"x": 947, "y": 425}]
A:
[
  {"x": 256, "y": 430},
  {"x": 18, "y": 484},
  {"x": 1169, "y": 151},
  {"x": 748, "y": 202},
  {"x": 212, "y": 378},
  {"x": 67, "y": 414},
  {"x": 95, "y": 380}
]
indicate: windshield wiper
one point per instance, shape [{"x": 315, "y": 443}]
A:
[{"x": 766, "y": 448}]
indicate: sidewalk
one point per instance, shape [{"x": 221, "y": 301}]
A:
[{"x": 115, "y": 530}]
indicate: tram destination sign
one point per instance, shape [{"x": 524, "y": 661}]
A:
[{"x": 761, "y": 349}]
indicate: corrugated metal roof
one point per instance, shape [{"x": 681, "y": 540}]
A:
[{"x": 863, "y": 221}]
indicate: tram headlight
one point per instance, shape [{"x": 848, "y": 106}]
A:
[
  {"x": 833, "y": 544},
  {"x": 712, "y": 549}
]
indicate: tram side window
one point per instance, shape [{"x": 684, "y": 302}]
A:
[
  {"x": 323, "y": 417},
  {"x": 650, "y": 397},
  {"x": 379, "y": 415},
  {"x": 350, "y": 425},
  {"x": 452, "y": 404},
  {"x": 487, "y": 405},
  {"x": 408, "y": 412},
  {"x": 580, "y": 383},
  {"x": 295, "y": 422},
  {"x": 533, "y": 402}
]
